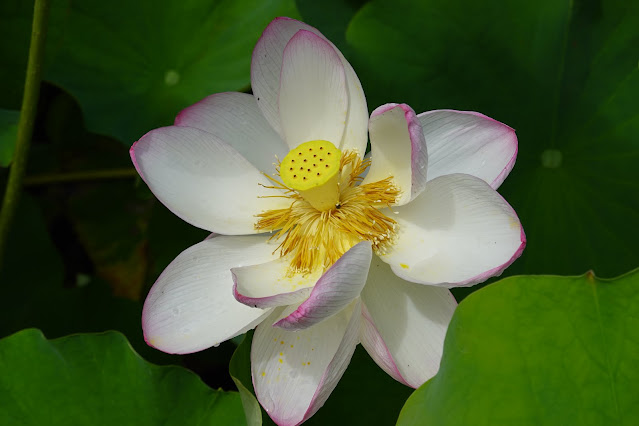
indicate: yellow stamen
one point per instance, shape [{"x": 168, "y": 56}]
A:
[
  {"x": 316, "y": 238},
  {"x": 312, "y": 170}
]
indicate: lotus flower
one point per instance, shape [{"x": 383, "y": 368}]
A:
[{"x": 314, "y": 244}]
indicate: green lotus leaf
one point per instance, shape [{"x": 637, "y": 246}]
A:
[
  {"x": 538, "y": 350},
  {"x": 97, "y": 379}
]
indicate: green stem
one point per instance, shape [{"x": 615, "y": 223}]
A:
[
  {"x": 27, "y": 118},
  {"x": 88, "y": 175}
]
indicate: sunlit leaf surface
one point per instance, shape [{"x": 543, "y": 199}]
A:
[
  {"x": 97, "y": 379},
  {"x": 541, "y": 350}
]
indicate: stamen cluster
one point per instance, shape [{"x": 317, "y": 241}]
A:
[{"x": 316, "y": 239}]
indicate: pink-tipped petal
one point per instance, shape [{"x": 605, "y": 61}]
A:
[
  {"x": 266, "y": 67},
  {"x": 270, "y": 284},
  {"x": 191, "y": 307},
  {"x": 398, "y": 150},
  {"x": 468, "y": 142},
  {"x": 313, "y": 99},
  {"x": 203, "y": 180},
  {"x": 295, "y": 372},
  {"x": 235, "y": 119},
  {"x": 404, "y": 325},
  {"x": 458, "y": 232},
  {"x": 339, "y": 286}
]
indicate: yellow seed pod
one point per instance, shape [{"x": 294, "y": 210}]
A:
[{"x": 312, "y": 169}]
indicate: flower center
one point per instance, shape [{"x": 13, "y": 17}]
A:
[
  {"x": 329, "y": 212},
  {"x": 312, "y": 170}
]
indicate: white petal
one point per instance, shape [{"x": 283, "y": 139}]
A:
[
  {"x": 266, "y": 68},
  {"x": 191, "y": 306},
  {"x": 203, "y": 180},
  {"x": 458, "y": 232},
  {"x": 404, "y": 324},
  {"x": 313, "y": 96},
  {"x": 269, "y": 284},
  {"x": 468, "y": 142},
  {"x": 338, "y": 287},
  {"x": 295, "y": 372},
  {"x": 356, "y": 132},
  {"x": 398, "y": 149},
  {"x": 234, "y": 118}
]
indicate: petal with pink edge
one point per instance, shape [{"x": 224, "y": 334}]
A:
[
  {"x": 295, "y": 372},
  {"x": 270, "y": 284},
  {"x": 468, "y": 142},
  {"x": 398, "y": 150},
  {"x": 266, "y": 67},
  {"x": 203, "y": 180},
  {"x": 234, "y": 118},
  {"x": 339, "y": 286},
  {"x": 191, "y": 306},
  {"x": 404, "y": 324},
  {"x": 313, "y": 99},
  {"x": 458, "y": 232}
]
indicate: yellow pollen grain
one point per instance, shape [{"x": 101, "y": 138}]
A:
[
  {"x": 403, "y": 265},
  {"x": 281, "y": 342},
  {"x": 281, "y": 353},
  {"x": 280, "y": 360},
  {"x": 315, "y": 239}
]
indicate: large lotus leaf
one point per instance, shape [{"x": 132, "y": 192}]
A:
[
  {"x": 134, "y": 65},
  {"x": 538, "y": 350},
  {"x": 97, "y": 379},
  {"x": 564, "y": 74},
  {"x": 365, "y": 394}
]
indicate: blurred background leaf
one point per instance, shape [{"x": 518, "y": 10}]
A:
[
  {"x": 332, "y": 17},
  {"x": 8, "y": 134},
  {"x": 134, "y": 65},
  {"x": 98, "y": 379},
  {"x": 15, "y": 33},
  {"x": 564, "y": 74},
  {"x": 540, "y": 350}
]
